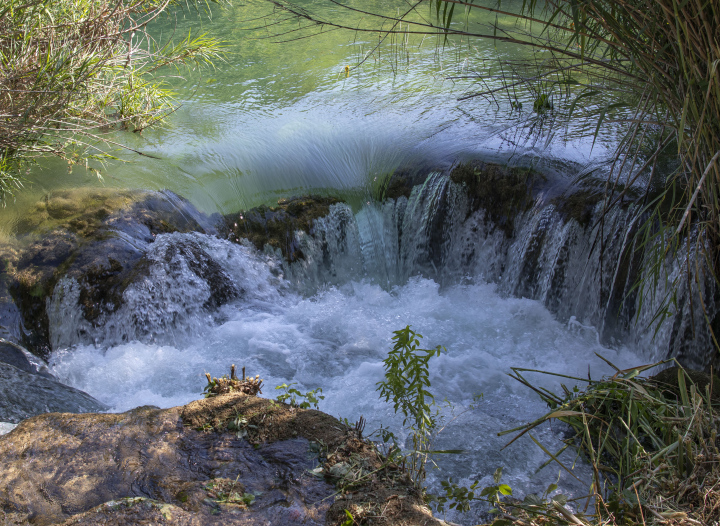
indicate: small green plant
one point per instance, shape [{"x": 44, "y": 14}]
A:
[
  {"x": 310, "y": 398},
  {"x": 406, "y": 383},
  {"x": 350, "y": 519},
  {"x": 550, "y": 509},
  {"x": 240, "y": 425},
  {"x": 227, "y": 491}
]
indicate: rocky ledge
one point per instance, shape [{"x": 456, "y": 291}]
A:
[
  {"x": 27, "y": 390},
  {"x": 230, "y": 459}
]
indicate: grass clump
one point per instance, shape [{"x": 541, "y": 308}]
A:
[{"x": 652, "y": 444}]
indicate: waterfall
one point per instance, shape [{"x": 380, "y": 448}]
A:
[
  {"x": 582, "y": 272},
  {"x": 545, "y": 298}
]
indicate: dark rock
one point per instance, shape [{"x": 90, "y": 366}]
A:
[
  {"x": 24, "y": 394},
  {"x": 12, "y": 354},
  {"x": 276, "y": 226},
  {"x": 579, "y": 205},
  {"x": 15, "y": 355},
  {"x": 398, "y": 186},
  {"x": 222, "y": 288},
  {"x": 10, "y": 318},
  {"x": 503, "y": 192}
]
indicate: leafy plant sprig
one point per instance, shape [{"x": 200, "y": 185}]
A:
[{"x": 309, "y": 399}]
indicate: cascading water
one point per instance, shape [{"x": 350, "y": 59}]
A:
[{"x": 326, "y": 321}]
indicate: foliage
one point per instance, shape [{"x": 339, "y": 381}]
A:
[
  {"x": 652, "y": 445},
  {"x": 350, "y": 519},
  {"x": 310, "y": 398},
  {"x": 406, "y": 383},
  {"x": 72, "y": 70}
]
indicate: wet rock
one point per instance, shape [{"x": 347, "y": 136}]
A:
[
  {"x": 579, "y": 205},
  {"x": 24, "y": 394},
  {"x": 12, "y": 354},
  {"x": 276, "y": 226},
  {"x": 222, "y": 288},
  {"x": 96, "y": 237},
  {"x": 10, "y": 318},
  {"x": 503, "y": 192},
  {"x": 183, "y": 466},
  {"x": 398, "y": 186}
]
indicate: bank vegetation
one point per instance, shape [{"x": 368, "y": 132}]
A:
[{"x": 73, "y": 70}]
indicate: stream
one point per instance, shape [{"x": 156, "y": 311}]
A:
[{"x": 281, "y": 120}]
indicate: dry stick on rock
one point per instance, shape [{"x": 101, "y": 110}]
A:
[{"x": 225, "y": 384}]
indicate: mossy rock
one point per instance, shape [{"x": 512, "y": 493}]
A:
[
  {"x": 95, "y": 236},
  {"x": 579, "y": 205},
  {"x": 276, "y": 226},
  {"x": 503, "y": 192},
  {"x": 398, "y": 186}
]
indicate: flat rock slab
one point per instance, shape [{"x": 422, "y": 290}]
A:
[
  {"x": 24, "y": 394},
  {"x": 233, "y": 459},
  {"x": 145, "y": 466}
]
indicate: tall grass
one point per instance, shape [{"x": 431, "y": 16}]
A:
[
  {"x": 652, "y": 444},
  {"x": 70, "y": 70}
]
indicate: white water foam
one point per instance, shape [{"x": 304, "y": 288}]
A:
[{"x": 337, "y": 338}]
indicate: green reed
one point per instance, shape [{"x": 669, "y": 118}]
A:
[{"x": 71, "y": 70}]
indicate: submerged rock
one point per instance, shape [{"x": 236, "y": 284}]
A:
[
  {"x": 185, "y": 466},
  {"x": 24, "y": 394}
]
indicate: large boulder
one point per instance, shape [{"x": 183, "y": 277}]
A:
[
  {"x": 96, "y": 238},
  {"x": 26, "y": 394},
  {"x": 230, "y": 460}
]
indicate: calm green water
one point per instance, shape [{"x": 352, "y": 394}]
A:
[{"x": 285, "y": 118}]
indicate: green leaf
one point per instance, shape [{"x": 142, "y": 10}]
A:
[{"x": 532, "y": 500}]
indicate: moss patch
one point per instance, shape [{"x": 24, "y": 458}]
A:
[
  {"x": 501, "y": 191},
  {"x": 276, "y": 226},
  {"x": 579, "y": 205},
  {"x": 398, "y": 186}
]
